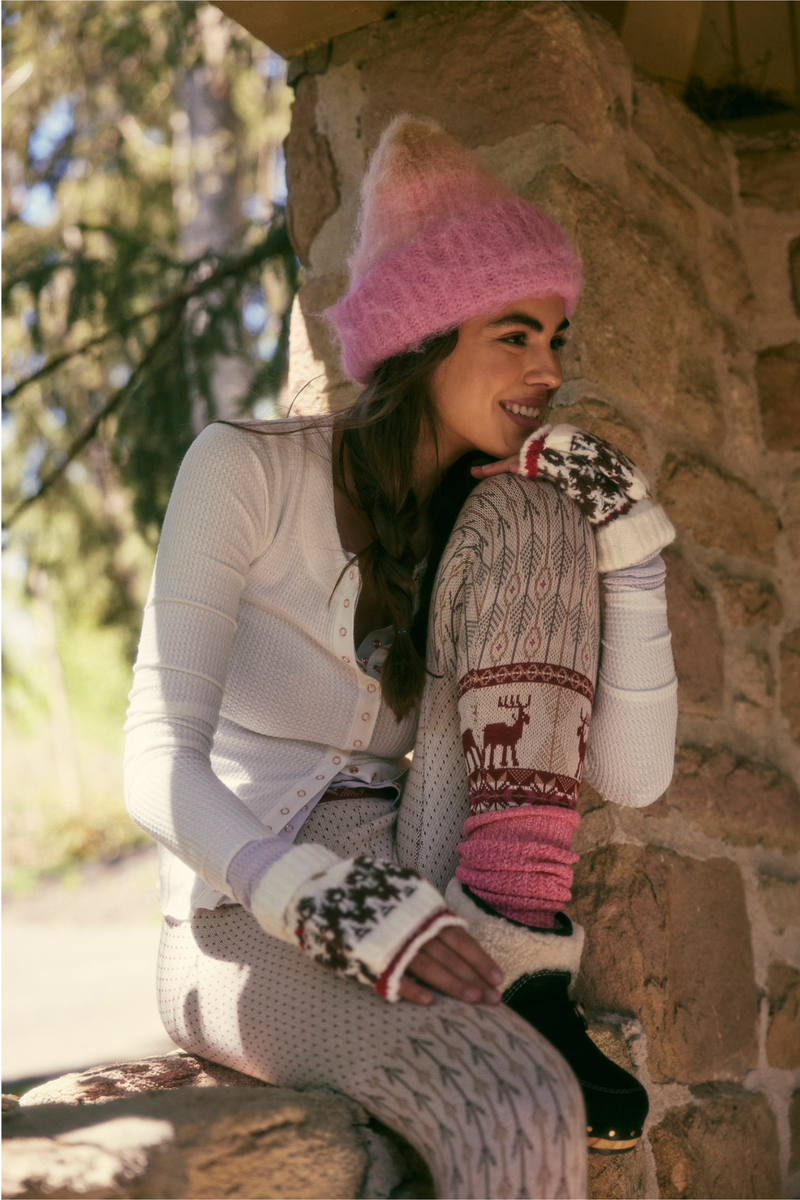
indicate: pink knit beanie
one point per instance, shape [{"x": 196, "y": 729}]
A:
[{"x": 440, "y": 240}]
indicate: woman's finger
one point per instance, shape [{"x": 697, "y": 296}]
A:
[
  {"x": 466, "y": 947},
  {"x": 503, "y": 467},
  {"x": 414, "y": 992},
  {"x": 425, "y": 968}
]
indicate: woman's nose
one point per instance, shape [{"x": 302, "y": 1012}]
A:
[{"x": 544, "y": 367}]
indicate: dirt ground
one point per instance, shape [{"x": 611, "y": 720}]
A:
[{"x": 79, "y": 972}]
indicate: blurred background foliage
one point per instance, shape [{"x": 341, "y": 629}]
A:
[{"x": 147, "y": 288}]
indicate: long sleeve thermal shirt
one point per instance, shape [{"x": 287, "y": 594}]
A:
[{"x": 247, "y": 698}]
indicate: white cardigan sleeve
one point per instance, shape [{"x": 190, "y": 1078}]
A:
[{"x": 216, "y": 525}]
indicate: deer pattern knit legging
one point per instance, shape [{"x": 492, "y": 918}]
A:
[{"x": 491, "y": 1106}]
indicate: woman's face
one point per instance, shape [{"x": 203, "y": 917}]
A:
[{"x": 494, "y": 389}]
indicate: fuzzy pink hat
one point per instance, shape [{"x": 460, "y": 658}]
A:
[{"x": 440, "y": 240}]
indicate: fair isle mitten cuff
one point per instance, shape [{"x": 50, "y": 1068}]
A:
[
  {"x": 642, "y": 532},
  {"x": 516, "y": 949},
  {"x": 364, "y": 918},
  {"x": 270, "y": 898},
  {"x": 601, "y": 480}
]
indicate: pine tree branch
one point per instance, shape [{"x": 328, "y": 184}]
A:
[
  {"x": 115, "y": 400},
  {"x": 275, "y": 243}
]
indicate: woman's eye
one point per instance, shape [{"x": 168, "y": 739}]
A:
[
  {"x": 516, "y": 339},
  {"x": 558, "y": 343}
]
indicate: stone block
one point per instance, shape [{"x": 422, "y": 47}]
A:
[
  {"x": 751, "y": 682},
  {"x": 769, "y": 174},
  {"x": 194, "y": 1142},
  {"x": 783, "y": 1032},
  {"x": 668, "y": 941},
  {"x": 655, "y": 353},
  {"x": 682, "y": 144},
  {"x": 781, "y": 900},
  {"x": 696, "y": 641},
  {"x": 794, "y": 1127},
  {"x": 164, "y": 1072},
  {"x": 733, "y": 798},
  {"x": 778, "y": 376},
  {"x": 311, "y": 180},
  {"x": 393, "y": 1166},
  {"x": 794, "y": 273},
  {"x": 616, "y": 1176},
  {"x": 725, "y": 1146},
  {"x": 790, "y": 681},
  {"x": 721, "y": 511},
  {"x": 658, "y": 200},
  {"x": 748, "y": 602},
  {"x": 726, "y": 276},
  {"x": 604, "y": 421},
  {"x": 316, "y": 383},
  {"x": 485, "y": 72}
]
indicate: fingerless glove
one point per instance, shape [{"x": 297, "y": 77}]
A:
[{"x": 364, "y": 918}]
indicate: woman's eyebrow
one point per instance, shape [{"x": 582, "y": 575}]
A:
[{"x": 524, "y": 319}]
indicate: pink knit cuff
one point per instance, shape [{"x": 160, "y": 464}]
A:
[{"x": 520, "y": 861}]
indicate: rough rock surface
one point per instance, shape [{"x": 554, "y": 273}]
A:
[
  {"x": 783, "y": 1033},
  {"x": 189, "y": 1143},
  {"x": 781, "y": 900},
  {"x": 155, "y": 1129},
  {"x": 312, "y": 184},
  {"x": 723, "y": 1147},
  {"x": 696, "y": 641},
  {"x": 733, "y": 798},
  {"x": 162, "y": 1072},
  {"x": 778, "y": 375},
  {"x": 719, "y": 510},
  {"x": 668, "y": 942},
  {"x": 790, "y": 681}
]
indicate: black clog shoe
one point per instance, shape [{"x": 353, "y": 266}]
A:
[{"x": 616, "y": 1103}]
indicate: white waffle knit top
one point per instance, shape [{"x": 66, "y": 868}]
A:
[{"x": 247, "y": 698}]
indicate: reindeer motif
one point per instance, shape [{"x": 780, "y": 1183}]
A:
[
  {"x": 583, "y": 737},
  {"x": 506, "y": 737},
  {"x": 470, "y": 746}
]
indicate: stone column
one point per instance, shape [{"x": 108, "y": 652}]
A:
[{"x": 684, "y": 351}]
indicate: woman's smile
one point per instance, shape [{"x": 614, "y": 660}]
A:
[{"x": 527, "y": 417}]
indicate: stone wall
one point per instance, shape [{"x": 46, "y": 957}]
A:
[{"x": 686, "y": 352}]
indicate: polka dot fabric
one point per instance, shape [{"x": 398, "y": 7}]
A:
[{"x": 490, "y": 1105}]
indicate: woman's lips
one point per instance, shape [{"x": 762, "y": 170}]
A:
[{"x": 524, "y": 416}]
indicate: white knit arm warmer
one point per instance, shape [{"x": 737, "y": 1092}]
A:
[{"x": 631, "y": 750}]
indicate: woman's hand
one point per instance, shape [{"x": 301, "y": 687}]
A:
[{"x": 453, "y": 963}]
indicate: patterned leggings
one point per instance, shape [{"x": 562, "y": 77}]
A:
[{"x": 490, "y": 1105}]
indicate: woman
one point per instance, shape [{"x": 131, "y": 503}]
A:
[{"x": 326, "y": 590}]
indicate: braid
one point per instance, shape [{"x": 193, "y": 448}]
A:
[{"x": 380, "y": 435}]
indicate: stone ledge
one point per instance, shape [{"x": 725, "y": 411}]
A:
[{"x": 180, "y": 1127}]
